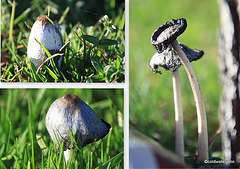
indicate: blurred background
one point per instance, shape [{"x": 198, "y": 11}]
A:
[
  {"x": 151, "y": 95},
  {"x": 24, "y": 138},
  {"x": 85, "y": 12}
]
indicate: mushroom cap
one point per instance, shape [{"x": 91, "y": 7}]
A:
[
  {"x": 70, "y": 114},
  {"x": 47, "y": 34},
  {"x": 169, "y": 60},
  {"x": 165, "y": 34}
]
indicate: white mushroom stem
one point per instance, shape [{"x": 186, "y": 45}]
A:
[
  {"x": 179, "y": 139},
  {"x": 67, "y": 155},
  {"x": 201, "y": 114}
]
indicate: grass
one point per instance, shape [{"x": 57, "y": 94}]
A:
[
  {"x": 84, "y": 60},
  {"x": 25, "y": 142},
  {"x": 151, "y": 95}
]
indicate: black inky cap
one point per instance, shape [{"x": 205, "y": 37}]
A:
[
  {"x": 169, "y": 59},
  {"x": 165, "y": 34}
]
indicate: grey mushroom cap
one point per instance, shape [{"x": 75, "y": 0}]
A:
[
  {"x": 70, "y": 114},
  {"x": 165, "y": 34},
  {"x": 169, "y": 60}
]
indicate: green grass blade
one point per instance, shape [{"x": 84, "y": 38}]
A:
[
  {"x": 114, "y": 161},
  {"x": 2, "y": 150},
  {"x": 25, "y": 158},
  {"x": 19, "y": 37},
  {"x": 42, "y": 163},
  {"x": 32, "y": 69},
  {"x": 31, "y": 132},
  {"x": 122, "y": 23},
  {"x": 7, "y": 71},
  {"x": 65, "y": 12},
  {"x": 42, "y": 145},
  {"x": 63, "y": 76},
  {"x": 32, "y": 145},
  {"x": 107, "y": 152},
  {"x": 29, "y": 165},
  {"x": 51, "y": 73},
  {"x": 24, "y": 43},
  {"x": 61, "y": 155},
  {"x": 16, "y": 74},
  {"x": 11, "y": 21},
  {"x": 47, "y": 52},
  {"x": 9, "y": 134},
  {"x": 91, "y": 161},
  {"x": 102, "y": 152},
  {"x": 23, "y": 15},
  {"x": 13, "y": 54},
  {"x": 2, "y": 165}
]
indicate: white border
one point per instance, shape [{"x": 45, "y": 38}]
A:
[
  {"x": 124, "y": 86},
  {"x": 31, "y": 85},
  {"x": 126, "y": 89}
]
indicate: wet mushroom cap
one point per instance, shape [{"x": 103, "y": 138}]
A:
[
  {"x": 165, "y": 34},
  {"x": 70, "y": 114}
]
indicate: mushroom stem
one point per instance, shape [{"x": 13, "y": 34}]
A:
[
  {"x": 201, "y": 114},
  {"x": 179, "y": 139},
  {"x": 67, "y": 155}
]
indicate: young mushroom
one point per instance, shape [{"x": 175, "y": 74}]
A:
[
  {"x": 69, "y": 114},
  {"x": 49, "y": 35},
  {"x": 164, "y": 36},
  {"x": 168, "y": 59}
]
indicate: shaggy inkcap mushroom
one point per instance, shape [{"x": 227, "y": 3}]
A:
[
  {"x": 48, "y": 35},
  {"x": 164, "y": 41},
  {"x": 164, "y": 35},
  {"x": 169, "y": 60},
  {"x": 70, "y": 114}
]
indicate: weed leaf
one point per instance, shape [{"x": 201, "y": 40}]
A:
[
  {"x": 107, "y": 42},
  {"x": 92, "y": 39}
]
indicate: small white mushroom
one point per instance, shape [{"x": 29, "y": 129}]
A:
[
  {"x": 48, "y": 35},
  {"x": 70, "y": 114}
]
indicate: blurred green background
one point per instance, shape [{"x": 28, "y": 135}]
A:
[
  {"x": 22, "y": 119},
  {"x": 151, "y": 95},
  {"x": 85, "y": 12}
]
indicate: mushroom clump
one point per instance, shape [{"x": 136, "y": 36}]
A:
[
  {"x": 70, "y": 114},
  {"x": 48, "y": 34},
  {"x": 164, "y": 40}
]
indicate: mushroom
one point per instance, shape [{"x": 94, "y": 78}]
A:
[
  {"x": 168, "y": 59},
  {"x": 49, "y": 35},
  {"x": 164, "y": 36},
  {"x": 69, "y": 114}
]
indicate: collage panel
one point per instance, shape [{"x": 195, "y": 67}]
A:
[
  {"x": 34, "y": 125},
  {"x": 63, "y": 41},
  {"x": 182, "y": 113}
]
